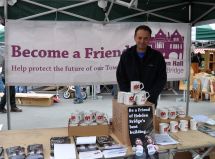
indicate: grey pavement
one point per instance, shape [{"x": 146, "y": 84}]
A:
[{"x": 57, "y": 115}]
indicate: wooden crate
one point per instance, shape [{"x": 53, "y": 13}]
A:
[
  {"x": 120, "y": 121},
  {"x": 33, "y": 99}
]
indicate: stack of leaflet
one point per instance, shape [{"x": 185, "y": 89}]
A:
[
  {"x": 207, "y": 130},
  {"x": 98, "y": 147},
  {"x": 164, "y": 139},
  {"x": 110, "y": 148},
  {"x": 61, "y": 148},
  {"x": 87, "y": 148},
  {"x": 64, "y": 151},
  {"x": 111, "y": 153}
]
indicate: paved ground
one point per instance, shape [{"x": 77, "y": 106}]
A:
[{"x": 57, "y": 115}]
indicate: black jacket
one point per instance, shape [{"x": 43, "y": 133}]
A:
[{"x": 151, "y": 70}]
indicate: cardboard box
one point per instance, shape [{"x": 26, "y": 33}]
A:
[
  {"x": 33, "y": 99},
  {"x": 94, "y": 130},
  {"x": 158, "y": 120},
  {"x": 120, "y": 121}
]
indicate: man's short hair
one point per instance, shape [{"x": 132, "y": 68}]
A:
[{"x": 143, "y": 27}]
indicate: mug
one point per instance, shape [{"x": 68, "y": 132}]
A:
[
  {"x": 120, "y": 97},
  {"x": 75, "y": 118},
  {"x": 173, "y": 126},
  {"x": 183, "y": 125},
  {"x": 139, "y": 150},
  {"x": 136, "y": 86},
  {"x": 163, "y": 113},
  {"x": 129, "y": 98},
  {"x": 141, "y": 97},
  {"x": 193, "y": 124},
  {"x": 88, "y": 118},
  {"x": 100, "y": 117},
  {"x": 151, "y": 149},
  {"x": 163, "y": 128},
  {"x": 172, "y": 113},
  {"x": 180, "y": 112}
]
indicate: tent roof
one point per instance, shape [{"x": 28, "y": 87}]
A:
[
  {"x": 205, "y": 32},
  {"x": 116, "y": 10}
]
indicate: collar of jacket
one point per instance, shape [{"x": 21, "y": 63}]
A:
[{"x": 134, "y": 49}]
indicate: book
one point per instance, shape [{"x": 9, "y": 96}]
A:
[
  {"x": 58, "y": 140},
  {"x": 16, "y": 152},
  {"x": 35, "y": 151}
]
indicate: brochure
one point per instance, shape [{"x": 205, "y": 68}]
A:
[{"x": 164, "y": 139}]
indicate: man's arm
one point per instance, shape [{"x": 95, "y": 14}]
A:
[
  {"x": 159, "y": 82},
  {"x": 121, "y": 76}
]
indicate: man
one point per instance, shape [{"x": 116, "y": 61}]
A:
[
  {"x": 13, "y": 106},
  {"x": 78, "y": 96},
  {"x": 142, "y": 63}
]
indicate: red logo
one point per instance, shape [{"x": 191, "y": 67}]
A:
[
  {"x": 73, "y": 117},
  {"x": 87, "y": 117},
  {"x": 136, "y": 86},
  {"x": 100, "y": 117},
  {"x": 172, "y": 113},
  {"x": 163, "y": 113},
  {"x": 131, "y": 99}
]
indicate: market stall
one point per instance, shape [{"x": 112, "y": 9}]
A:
[
  {"x": 109, "y": 12},
  {"x": 134, "y": 10}
]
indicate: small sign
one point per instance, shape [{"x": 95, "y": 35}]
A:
[{"x": 140, "y": 123}]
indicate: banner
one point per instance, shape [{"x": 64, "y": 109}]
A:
[{"x": 65, "y": 53}]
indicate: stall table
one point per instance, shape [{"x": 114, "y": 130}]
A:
[
  {"x": 38, "y": 136},
  {"x": 34, "y": 136},
  {"x": 189, "y": 141}
]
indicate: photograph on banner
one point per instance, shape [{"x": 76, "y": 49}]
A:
[{"x": 64, "y": 53}]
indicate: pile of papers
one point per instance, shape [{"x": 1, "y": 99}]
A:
[
  {"x": 105, "y": 147},
  {"x": 164, "y": 139},
  {"x": 114, "y": 153},
  {"x": 64, "y": 151},
  {"x": 207, "y": 130},
  {"x": 90, "y": 154}
]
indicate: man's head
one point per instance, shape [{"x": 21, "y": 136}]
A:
[{"x": 142, "y": 37}]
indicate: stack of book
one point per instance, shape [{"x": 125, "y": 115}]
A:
[{"x": 98, "y": 147}]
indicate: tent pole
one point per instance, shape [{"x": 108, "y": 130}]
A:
[
  {"x": 204, "y": 14},
  {"x": 7, "y": 88},
  {"x": 61, "y": 10},
  {"x": 108, "y": 12},
  {"x": 189, "y": 63}
]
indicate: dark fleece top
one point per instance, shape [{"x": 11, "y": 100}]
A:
[{"x": 150, "y": 70}]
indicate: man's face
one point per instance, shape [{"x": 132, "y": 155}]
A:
[{"x": 142, "y": 39}]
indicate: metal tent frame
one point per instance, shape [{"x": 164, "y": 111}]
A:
[{"x": 128, "y": 5}]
